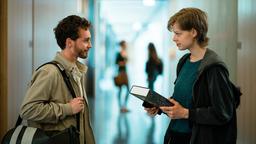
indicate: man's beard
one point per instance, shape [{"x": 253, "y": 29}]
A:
[{"x": 83, "y": 54}]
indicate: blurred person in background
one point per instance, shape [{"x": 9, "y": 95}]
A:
[
  {"x": 121, "y": 61},
  {"x": 154, "y": 66}
]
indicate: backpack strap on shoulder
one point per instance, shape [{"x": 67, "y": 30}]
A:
[{"x": 68, "y": 83}]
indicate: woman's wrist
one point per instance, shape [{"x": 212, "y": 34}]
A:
[{"x": 186, "y": 113}]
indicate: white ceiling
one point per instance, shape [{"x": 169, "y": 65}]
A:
[{"x": 123, "y": 14}]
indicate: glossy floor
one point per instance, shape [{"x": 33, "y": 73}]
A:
[{"x": 134, "y": 127}]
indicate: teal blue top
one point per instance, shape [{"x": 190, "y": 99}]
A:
[{"x": 183, "y": 93}]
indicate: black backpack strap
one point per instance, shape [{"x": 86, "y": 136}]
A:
[
  {"x": 65, "y": 77},
  {"x": 68, "y": 83},
  {"x": 18, "y": 122}
]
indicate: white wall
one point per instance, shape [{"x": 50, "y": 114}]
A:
[
  {"x": 19, "y": 54},
  {"x": 47, "y": 14},
  {"x": 246, "y": 70}
]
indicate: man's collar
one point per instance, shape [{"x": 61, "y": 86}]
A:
[{"x": 69, "y": 66}]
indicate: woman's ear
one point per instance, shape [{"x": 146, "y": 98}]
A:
[{"x": 194, "y": 32}]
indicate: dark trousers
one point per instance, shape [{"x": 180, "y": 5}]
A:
[{"x": 172, "y": 137}]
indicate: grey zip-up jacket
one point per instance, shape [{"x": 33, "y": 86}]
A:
[{"x": 46, "y": 102}]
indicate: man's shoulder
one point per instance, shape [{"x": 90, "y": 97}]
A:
[
  {"x": 45, "y": 74},
  {"x": 46, "y": 69}
]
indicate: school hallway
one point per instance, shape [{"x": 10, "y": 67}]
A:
[
  {"x": 27, "y": 40},
  {"x": 111, "y": 126}
]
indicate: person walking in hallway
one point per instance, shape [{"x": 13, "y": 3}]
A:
[
  {"x": 154, "y": 66},
  {"x": 121, "y": 61},
  {"x": 48, "y": 103},
  {"x": 204, "y": 110}
]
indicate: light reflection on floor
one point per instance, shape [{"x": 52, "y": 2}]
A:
[{"x": 135, "y": 127}]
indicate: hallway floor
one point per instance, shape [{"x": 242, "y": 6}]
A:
[{"x": 134, "y": 127}]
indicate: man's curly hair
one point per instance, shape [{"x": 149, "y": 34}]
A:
[{"x": 69, "y": 28}]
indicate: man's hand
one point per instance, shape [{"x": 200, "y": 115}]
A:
[
  {"x": 77, "y": 104},
  {"x": 175, "y": 112}
]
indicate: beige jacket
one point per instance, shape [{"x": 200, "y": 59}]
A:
[{"x": 46, "y": 102}]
